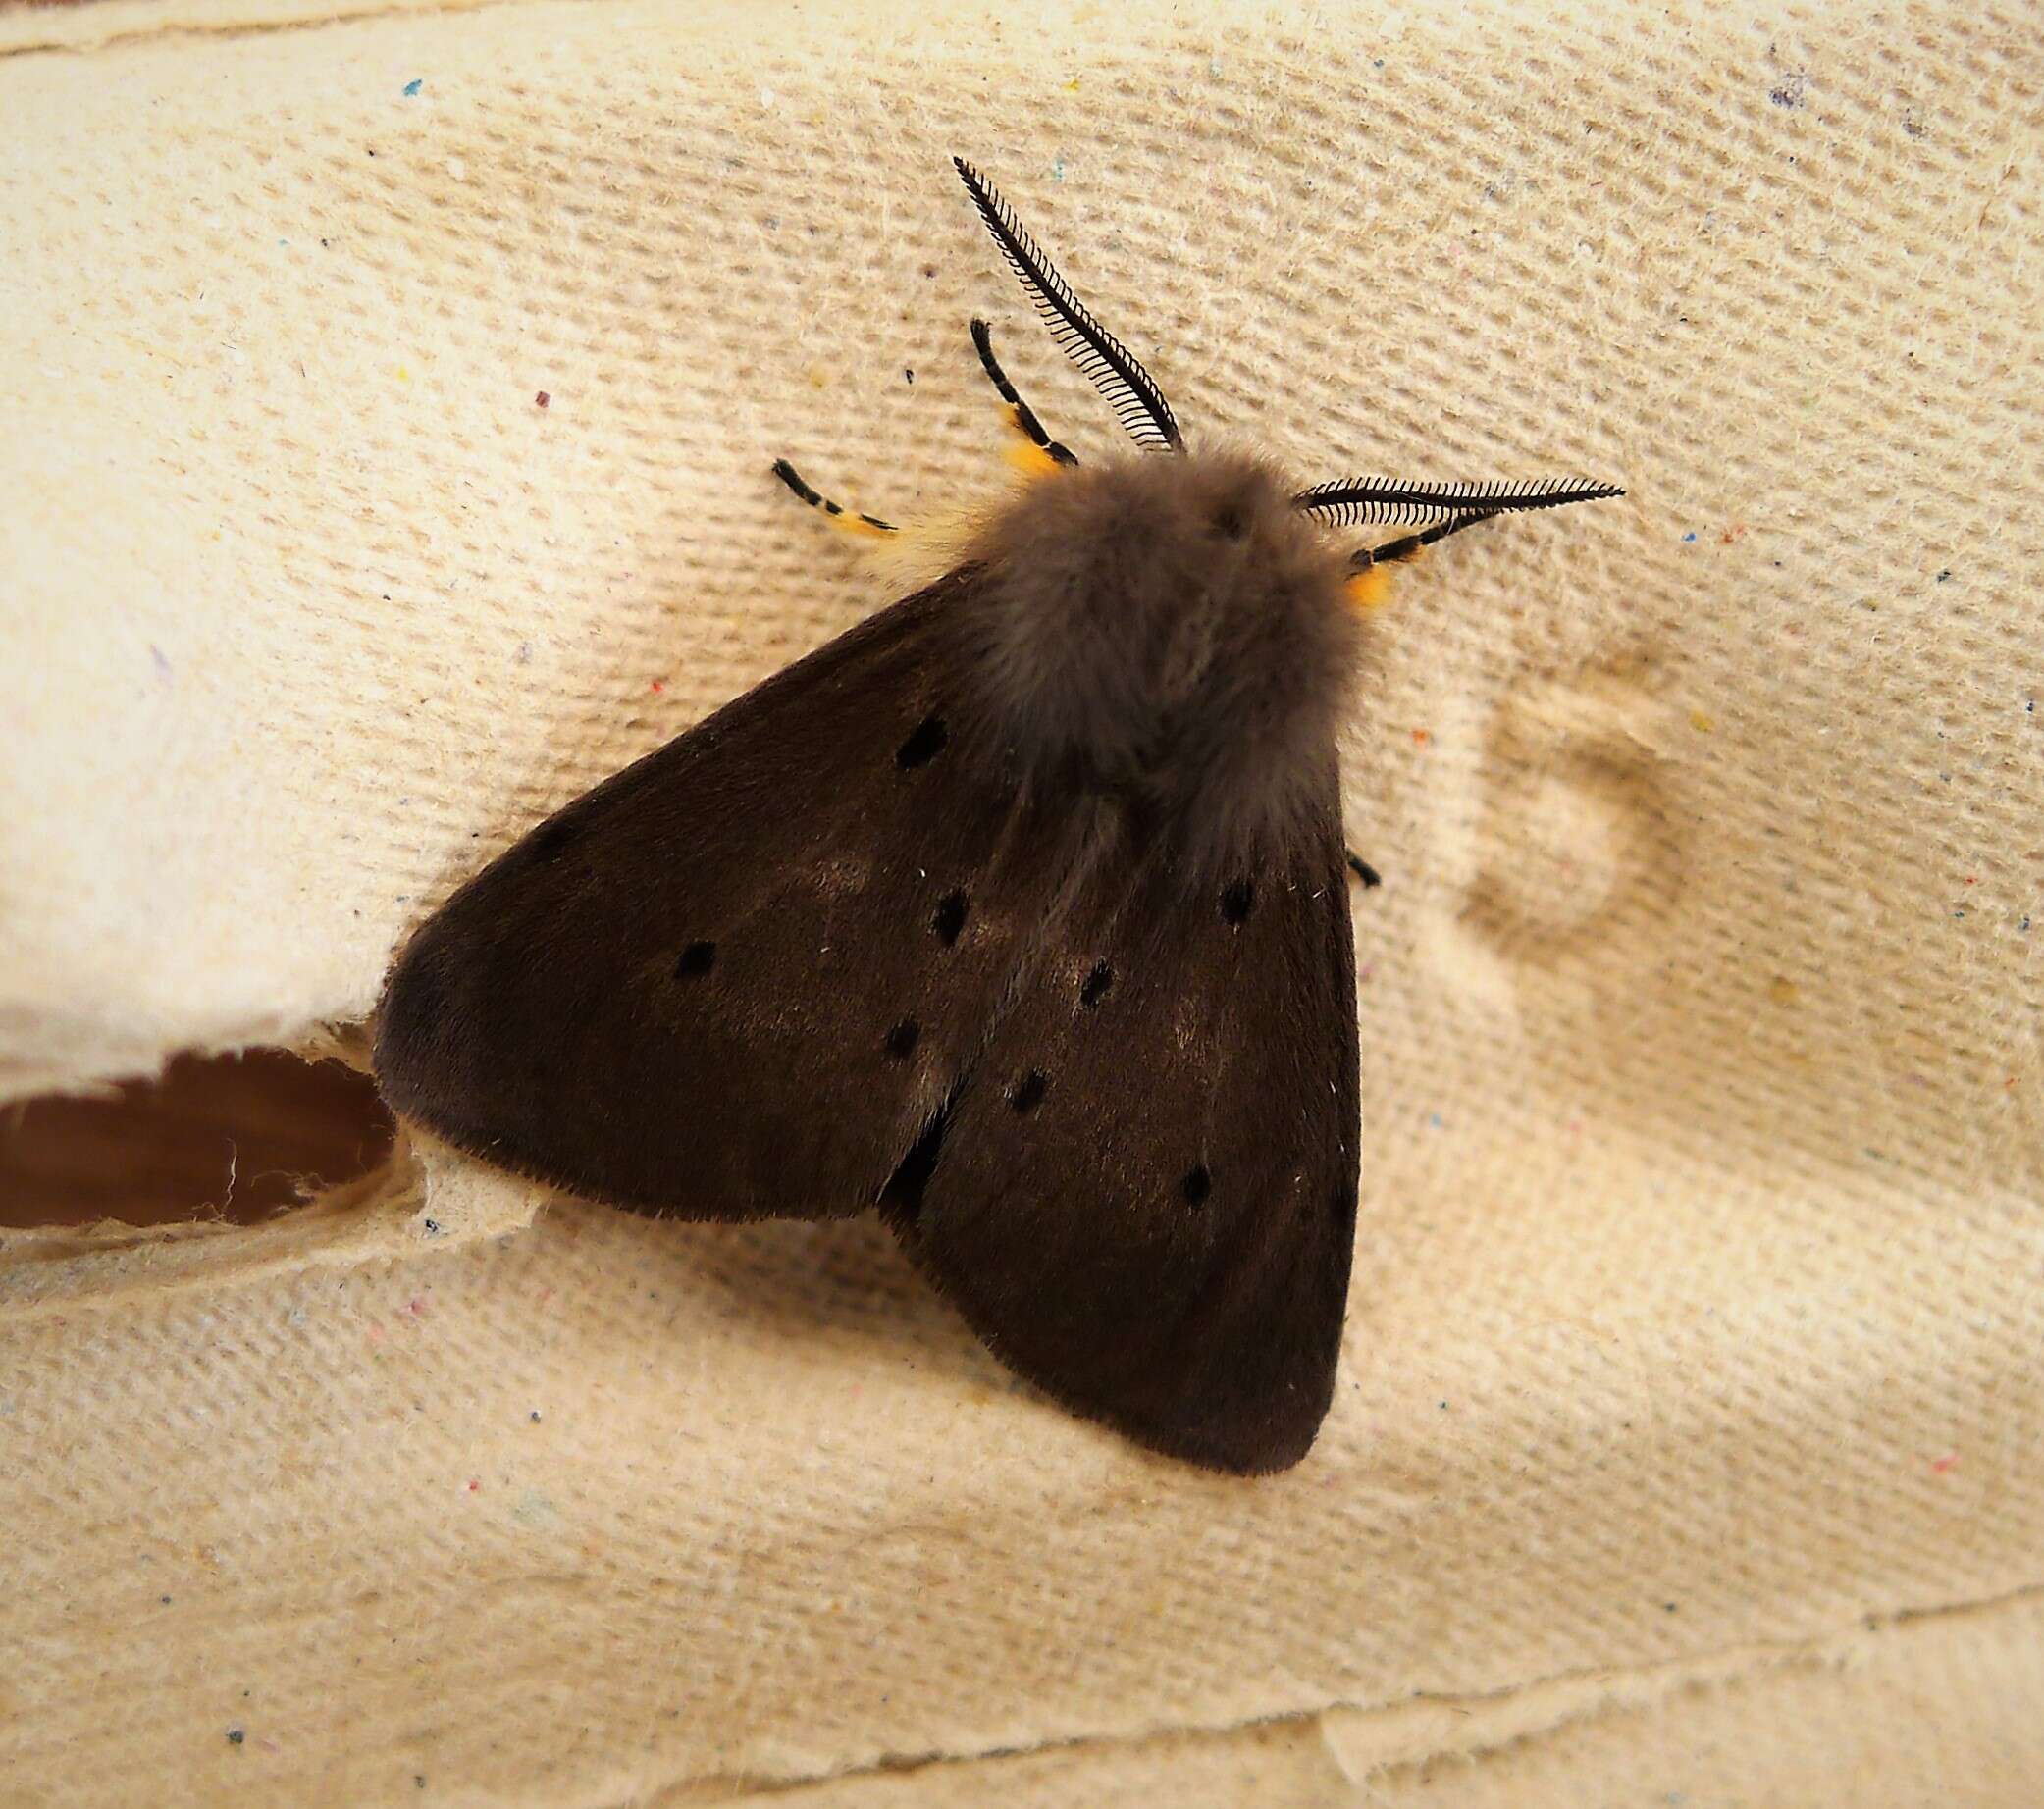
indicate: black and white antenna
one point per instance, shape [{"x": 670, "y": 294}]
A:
[
  {"x": 1114, "y": 371},
  {"x": 1349, "y": 501}
]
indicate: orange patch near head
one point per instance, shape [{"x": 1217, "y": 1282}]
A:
[
  {"x": 1027, "y": 457},
  {"x": 1371, "y": 588},
  {"x": 848, "y": 523}
]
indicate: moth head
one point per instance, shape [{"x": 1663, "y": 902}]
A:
[
  {"x": 1165, "y": 628},
  {"x": 1180, "y": 626}
]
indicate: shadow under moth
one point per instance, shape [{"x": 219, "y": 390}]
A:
[{"x": 1019, "y": 912}]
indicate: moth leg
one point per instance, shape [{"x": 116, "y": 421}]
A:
[
  {"x": 1369, "y": 584},
  {"x": 842, "y": 518},
  {"x": 1362, "y": 869},
  {"x": 1040, "y": 455}
]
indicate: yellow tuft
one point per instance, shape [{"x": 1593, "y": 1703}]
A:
[
  {"x": 1029, "y": 458},
  {"x": 1371, "y": 588},
  {"x": 926, "y": 548},
  {"x": 849, "y": 523}
]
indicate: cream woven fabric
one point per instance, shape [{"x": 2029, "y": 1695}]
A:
[{"x": 1690, "y": 1437}]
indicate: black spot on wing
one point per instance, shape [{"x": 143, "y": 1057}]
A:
[
  {"x": 552, "y": 839},
  {"x": 925, "y": 741},
  {"x": 902, "y": 1195},
  {"x": 1096, "y": 984}
]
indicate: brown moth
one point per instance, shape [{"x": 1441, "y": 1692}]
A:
[{"x": 1019, "y": 912}]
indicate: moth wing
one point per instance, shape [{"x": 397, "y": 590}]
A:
[
  {"x": 734, "y": 980},
  {"x": 1144, "y": 1199}
]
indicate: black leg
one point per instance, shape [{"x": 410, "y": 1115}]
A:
[
  {"x": 1410, "y": 546},
  {"x": 839, "y": 517},
  {"x": 1363, "y": 870},
  {"x": 1020, "y": 412}
]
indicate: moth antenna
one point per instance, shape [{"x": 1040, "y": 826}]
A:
[
  {"x": 1349, "y": 503},
  {"x": 1113, "y": 369}
]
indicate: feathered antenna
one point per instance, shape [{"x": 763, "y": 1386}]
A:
[
  {"x": 1114, "y": 371},
  {"x": 1347, "y": 501}
]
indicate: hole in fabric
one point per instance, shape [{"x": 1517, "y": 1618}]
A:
[
  {"x": 1097, "y": 983},
  {"x": 1027, "y": 1092},
  {"x": 924, "y": 744},
  {"x": 1196, "y": 1185},
  {"x": 235, "y": 1138},
  {"x": 697, "y": 959},
  {"x": 901, "y": 1040},
  {"x": 950, "y": 918},
  {"x": 1237, "y": 900}
]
